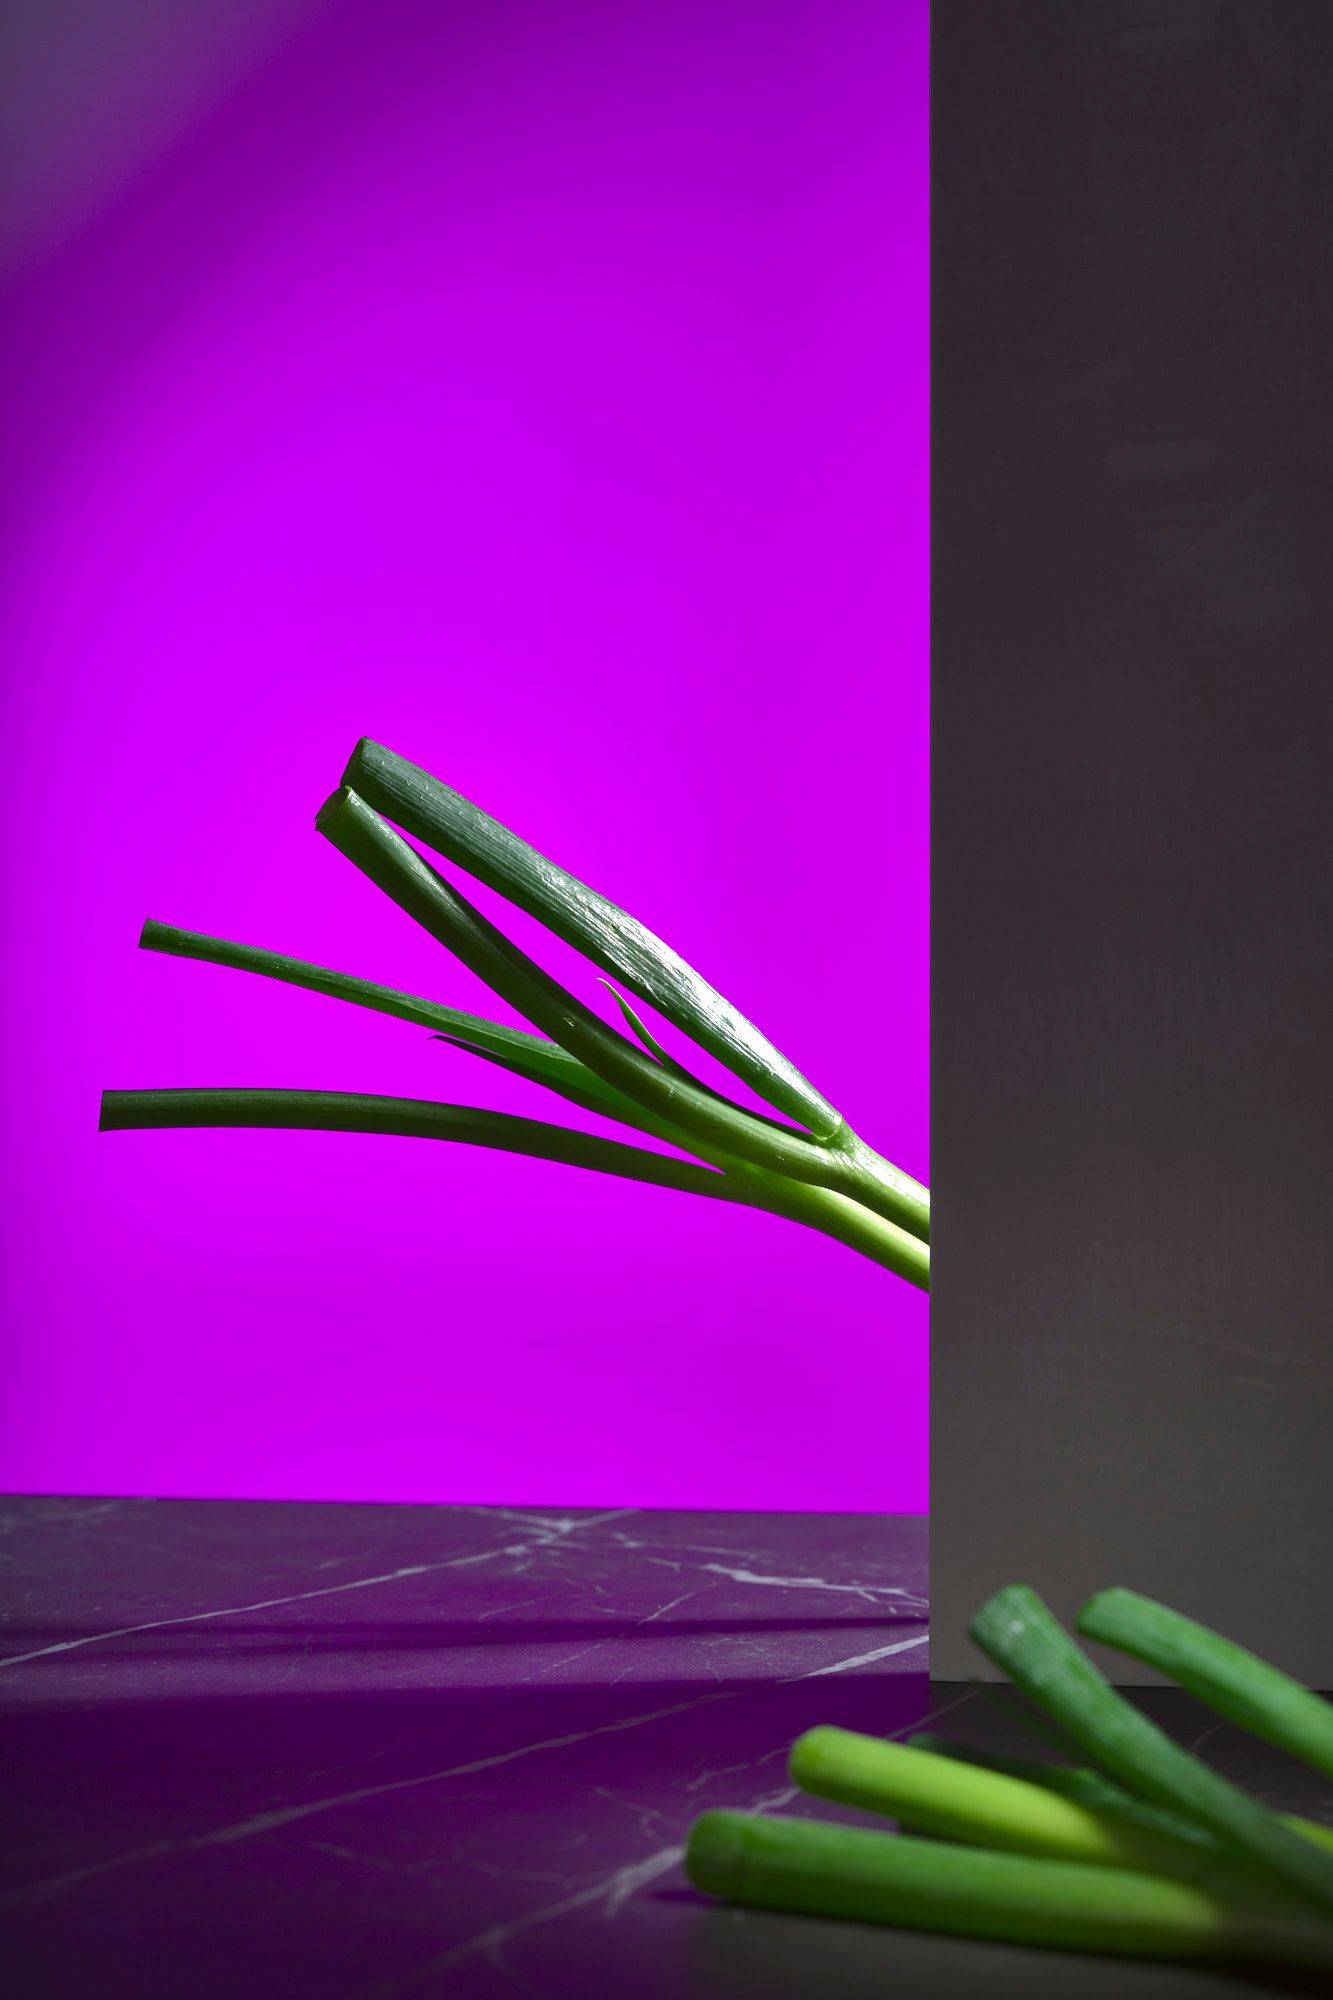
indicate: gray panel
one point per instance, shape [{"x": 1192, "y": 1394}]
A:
[{"x": 1133, "y": 555}]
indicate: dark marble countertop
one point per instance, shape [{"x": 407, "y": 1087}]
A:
[{"x": 359, "y": 1752}]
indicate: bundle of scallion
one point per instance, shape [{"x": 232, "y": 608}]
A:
[
  {"x": 1151, "y": 1854},
  {"x": 808, "y": 1164}
]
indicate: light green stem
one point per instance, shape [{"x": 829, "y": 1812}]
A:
[
  {"x": 836, "y": 1871},
  {"x": 1238, "y": 1684}
]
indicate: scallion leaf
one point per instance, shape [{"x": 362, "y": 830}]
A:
[
  {"x": 954, "y": 1800},
  {"x": 394, "y": 866},
  {"x": 422, "y": 1118},
  {"x": 1017, "y": 1631},
  {"x": 772, "y": 1863},
  {"x": 1080, "y": 1783},
  {"x": 1235, "y": 1682},
  {"x": 608, "y": 936},
  {"x": 541, "y": 1061},
  {"x": 1095, "y": 1790},
  {"x": 621, "y": 946},
  {"x": 350, "y": 1111}
]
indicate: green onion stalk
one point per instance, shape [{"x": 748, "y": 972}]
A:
[
  {"x": 1016, "y": 1630},
  {"x": 1144, "y": 1852},
  {"x": 1238, "y": 1684},
  {"x": 806, "y": 1866},
  {"x": 805, "y": 1164}
]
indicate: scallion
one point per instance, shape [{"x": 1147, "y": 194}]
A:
[
  {"x": 1080, "y": 1783},
  {"x": 1235, "y": 1682},
  {"x": 1102, "y": 1795},
  {"x": 408, "y": 1118},
  {"x": 953, "y": 1800},
  {"x": 609, "y": 937},
  {"x": 773, "y": 1863},
  {"x": 818, "y": 1172},
  {"x": 1016, "y": 1631}
]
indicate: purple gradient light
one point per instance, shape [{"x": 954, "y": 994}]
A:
[{"x": 543, "y": 391}]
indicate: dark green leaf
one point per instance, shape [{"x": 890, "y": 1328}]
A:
[
  {"x": 360, "y": 833},
  {"x": 348, "y": 1111},
  {"x": 1237, "y": 1683},
  {"x": 636, "y": 1022},
  {"x": 1016, "y": 1630},
  {"x": 524, "y": 1054},
  {"x": 607, "y": 935}
]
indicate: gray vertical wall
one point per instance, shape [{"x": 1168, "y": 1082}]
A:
[{"x": 1133, "y": 642}]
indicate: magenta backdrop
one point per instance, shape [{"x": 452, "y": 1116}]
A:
[{"x": 543, "y": 390}]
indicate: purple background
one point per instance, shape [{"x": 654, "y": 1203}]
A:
[{"x": 543, "y": 390}]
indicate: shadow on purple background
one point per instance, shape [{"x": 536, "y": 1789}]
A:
[{"x": 542, "y": 391}]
